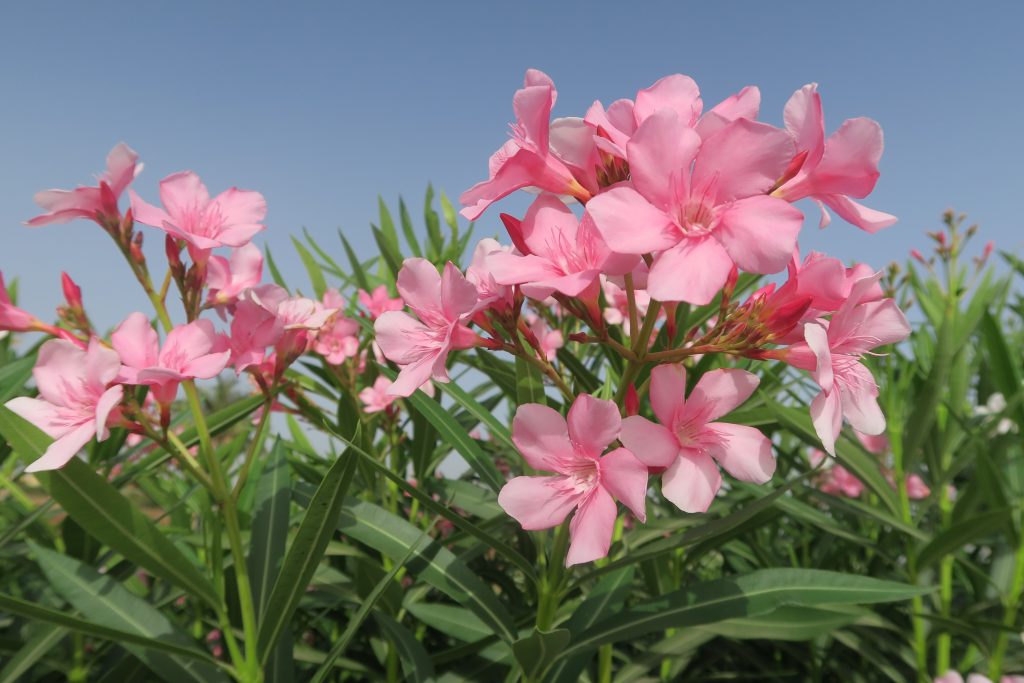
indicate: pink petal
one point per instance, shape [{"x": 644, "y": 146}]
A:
[
  {"x": 510, "y": 269},
  {"x": 806, "y": 123},
  {"x": 400, "y": 336},
  {"x": 864, "y": 218},
  {"x": 827, "y": 416},
  {"x": 817, "y": 342},
  {"x": 101, "y": 365},
  {"x": 572, "y": 284},
  {"x": 859, "y": 395},
  {"x": 549, "y": 227},
  {"x": 147, "y": 214},
  {"x": 241, "y": 206},
  {"x": 64, "y": 448},
  {"x": 629, "y": 224},
  {"x": 660, "y": 154},
  {"x": 419, "y": 285},
  {"x": 532, "y": 106},
  {"x": 691, "y": 482},
  {"x": 746, "y": 158},
  {"x": 668, "y": 391},
  {"x": 676, "y": 92},
  {"x": 744, "y": 452},
  {"x": 183, "y": 196},
  {"x": 542, "y": 436},
  {"x": 743, "y": 105},
  {"x": 760, "y": 232},
  {"x": 652, "y": 444},
  {"x": 694, "y": 271},
  {"x": 58, "y": 365},
  {"x": 537, "y": 502},
  {"x": 42, "y": 414},
  {"x": 413, "y": 376},
  {"x": 625, "y": 477},
  {"x": 108, "y": 401},
  {"x": 717, "y": 393},
  {"x": 122, "y": 167},
  {"x": 516, "y": 172},
  {"x": 458, "y": 295},
  {"x": 849, "y": 165},
  {"x": 207, "y": 366},
  {"x": 591, "y": 528},
  {"x": 593, "y": 424}
]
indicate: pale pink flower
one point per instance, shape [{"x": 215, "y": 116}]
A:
[
  {"x": 192, "y": 351},
  {"x": 837, "y": 480},
  {"x": 832, "y": 351},
  {"x": 230, "y": 219},
  {"x": 954, "y": 677},
  {"x": 481, "y": 274},
  {"x": 338, "y": 340},
  {"x": 831, "y": 171},
  {"x": 873, "y": 443},
  {"x": 617, "y": 310},
  {"x": 549, "y": 340},
  {"x": 227, "y": 279},
  {"x": 584, "y": 481},
  {"x": 420, "y": 347},
  {"x": 701, "y": 207},
  {"x": 300, "y": 320},
  {"x": 559, "y": 252},
  {"x": 376, "y": 398},
  {"x": 689, "y": 442},
  {"x": 253, "y": 329},
  {"x": 526, "y": 160},
  {"x": 379, "y": 302},
  {"x": 63, "y": 206},
  {"x": 76, "y": 400}
]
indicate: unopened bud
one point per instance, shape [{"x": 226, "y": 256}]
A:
[
  {"x": 72, "y": 292},
  {"x": 632, "y": 402},
  {"x": 136, "y": 249}
]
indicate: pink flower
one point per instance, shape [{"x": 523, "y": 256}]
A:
[
  {"x": 549, "y": 340},
  {"x": 379, "y": 302},
  {"x": 192, "y": 351},
  {"x": 300, "y": 320},
  {"x": 526, "y": 159},
  {"x": 617, "y": 311},
  {"x": 420, "y": 347},
  {"x": 701, "y": 220},
  {"x": 688, "y": 441},
  {"x": 837, "y": 480},
  {"x": 253, "y": 329},
  {"x": 227, "y": 279},
  {"x": 832, "y": 352},
  {"x": 876, "y": 443},
  {"x": 560, "y": 253},
  {"x": 916, "y": 488},
  {"x": 481, "y": 274},
  {"x": 76, "y": 401},
  {"x": 831, "y": 171},
  {"x": 376, "y": 398},
  {"x": 230, "y": 219},
  {"x": 63, "y": 206},
  {"x": 584, "y": 481},
  {"x": 338, "y": 340}
]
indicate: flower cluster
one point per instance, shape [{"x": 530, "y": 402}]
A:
[{"x": 642, "y": 207}]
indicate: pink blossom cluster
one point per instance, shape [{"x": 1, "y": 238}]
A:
[
  {"x": 641, "y": 206},
  {"x": 81, "y": 377}
]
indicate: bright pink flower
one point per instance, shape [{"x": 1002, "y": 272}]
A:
[
  {"x": 379, "y": 302},
  {"x": 253, "y": 329},
  {"x": 481, "y": 274},
  {"x": 701, "y": 220},
  {"x": 832, "y": 351},
  {"x": 689, "y": 442},
  {"x": 526, "y": 159},
  {"x": 63, "y": 206},
  {"x": 76, "y": 401},
  {"x": 300, "y": 319},
  {"x": 338, "y": 340},
  {"x": 230, "y": 219},
  {"x": 376, "y": 399},
  {"x": 192, "y": 351},
  {"x": 227, "y": 279},
  {"x": 421, "y": 346},
  {"x": 584, "y": 480},
  {"x": 831, "y": 171},
  {"x": 563, "y": 254}
]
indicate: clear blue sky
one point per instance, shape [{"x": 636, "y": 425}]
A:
[{"x": 323, "y": 105}]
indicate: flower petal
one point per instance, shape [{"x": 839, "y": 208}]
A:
[
  {"x": 593, "y": 424},
  {"x": 760, "y": 233},
  {"x": 693, "y": 271},
  {"x": 625, "y": 477},
  {"x": 542, "y": 436},
  {"x": 537, "y": 502},
  {"x": 590, "y": 531},
  {"x": 691, "y": 482},
  {"x": 64, "y": 448},
  {"x": 630, "y": 224},
  {"x": 746, "y": 158},
  {"x": 652, "y": 444},
  {"x": 717, "y": 393},
  {"x": 827, "y": 416},
  {"x": 744, "y": 452}
]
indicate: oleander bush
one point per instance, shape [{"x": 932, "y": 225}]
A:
[{"x": 637, "y": 437}]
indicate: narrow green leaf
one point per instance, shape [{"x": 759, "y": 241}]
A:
[
  {"x": 387, "y": 224},
  {"x": 275, "y": 274},
  {"x": 529, "y": 383},
  {"x": 305, "y": 553},
  {"x": 110, "y": 604},
  {"x": 408, "y": 230},
  {"x": 793, "y": 623},
  {"x": 970, "y": 530},
  {"x": 316, "y": 274},
  {"x": 269, "y": 525},
  {"x": 45, "y": 639},
  {"x": 431, "y": 561},
  {"x": 451, "y": 620},
  {"x": 357, "y": 268},
  {"x": 485, "y": 416},
  {"x": 434, "y": 237},
  {"x": 101, "y": 510},
  {"x": 392, "y": 257},
  {"x": 536, "y": 652},
  {"x": 415, "y": 660},
  {"x": 13, "y": 376}
]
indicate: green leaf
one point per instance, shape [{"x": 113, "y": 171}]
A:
[
  {"x": 13, "y": 376},
  {"x": 453, "y": 434},
  {"x": 971, "y": 530},
  {"x": 316, "y": 275},
  {"x": 101, "y": 510},
  {"x": 485, "y": 416},
  {"x": 392, "y": 257},
  {"x": 357, "y": 268},
  {"x": 110, "y": 604},
  {"x": 93, "y": 629},
  {"x": 305, "y": 553},
  {"x": 415, "y": 661},
  {"x": 434, "y": 237},
  {"x": 408, "y": 230},
  {"x": 275, "y": 274},
  {"x": 536, "y": 652},
  {"x": 529, "y": 383},
  {"x": 45, "y": 639},
  {"x": 387, "y": 224},
  {"x": 923, "y": 412},
  {"x": 269, "y": 525},
  {"x": 431, "y": 561},
  {"x": 792, "y": 623},
  {"x": 451, "y": 620},
  {"x": 748, "y": 595}
]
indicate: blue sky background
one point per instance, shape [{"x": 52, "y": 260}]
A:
[{"x": 323, "y": 105}]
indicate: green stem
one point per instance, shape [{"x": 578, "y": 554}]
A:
[
  {"x": 944, "y": 642},
  {"x": 1011, "y": 610},
  {"x": 254, "y": 447},
  {"x": 550, "y": 587},
  {"x": 631, "y": 304},
  {"x": 639, "y": 350},
  {"x": 604, "y": 663}
]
